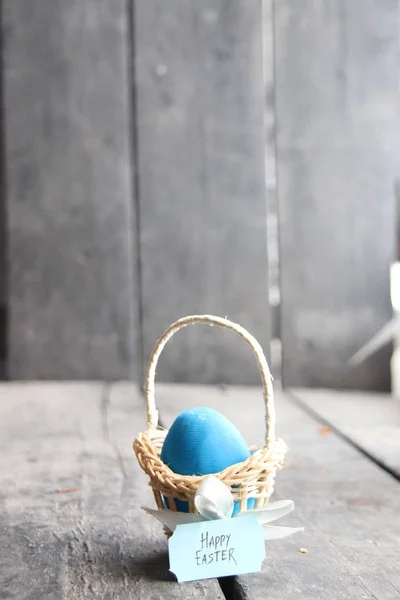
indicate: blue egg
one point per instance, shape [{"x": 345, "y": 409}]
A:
[{"x": 201, "y": 441}]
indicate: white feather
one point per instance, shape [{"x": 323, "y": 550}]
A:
[
  {"x": 171, "y": 518},
  {"x": 270, "y": 512},
  {"x": 214, "y": 500}
]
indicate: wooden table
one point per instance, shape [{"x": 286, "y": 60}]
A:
[{"x": 71, "y": 526}]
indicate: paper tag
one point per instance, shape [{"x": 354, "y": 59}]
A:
[{"x": 217, "y": 548}]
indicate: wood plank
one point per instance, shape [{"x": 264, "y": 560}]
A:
[
  {"x": 3, "y": 293},
  {"x": 94, "y": 541},
  {"x": 370, "y": 421},
  {"x": 69, "y": 214},
  {"x": 3, "y": 257},
  {"x": 337, "y": 130},
  {"x": 348, "y": 505},
  {"x": 270, "y": 166},
  {"x": 201, "y": 147}
]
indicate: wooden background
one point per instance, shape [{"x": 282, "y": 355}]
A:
[{"x": 147, "y": 149}]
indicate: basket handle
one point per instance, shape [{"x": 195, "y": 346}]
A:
[{"x": 152, "y": 413}]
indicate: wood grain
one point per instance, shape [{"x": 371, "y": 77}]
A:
[
  {"x": 201, "y": 147},
  {"x": 370, "y": 421},
  {"x": 346, "y": 503},
  {"x": 3, "y": 255},
  {"x": 337, "y": 131},
  {"x": 95, "y": 542},
  {"x": 71, "y": 248}
]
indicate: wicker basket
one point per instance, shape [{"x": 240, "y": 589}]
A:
[{"x": 252, "y": 478}]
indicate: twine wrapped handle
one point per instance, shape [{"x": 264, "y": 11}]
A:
[{"x": 152, "y": 413}]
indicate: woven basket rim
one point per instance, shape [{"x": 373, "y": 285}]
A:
[{"x": 262, "y": 459}]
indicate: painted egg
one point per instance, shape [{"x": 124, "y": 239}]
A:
[{"x": 201, "y": 441}]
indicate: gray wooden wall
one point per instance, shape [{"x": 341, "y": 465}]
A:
[
  {"x": 69, "y": 206},
  {"x": 338, "y": 157},
  {"x": 145, "y": 144},
  {"x": 135, "y": 185}
]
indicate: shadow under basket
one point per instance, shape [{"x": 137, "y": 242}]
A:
[{"x": 250, "y": 479}]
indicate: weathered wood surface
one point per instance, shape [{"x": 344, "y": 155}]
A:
[
  {"x": 347, "y": 504},
  {"x": 201, "y": 146},
  {"x": 93, "y": 541},
  {"x": 270, "y": 164},
  {"x": 3, "y": 293},
  {"x": 68, "y": 189},
  {"x": 337, "y": 127},
  {"x": 370, "y": 421},
  {"x": 3, "y": 262}
]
